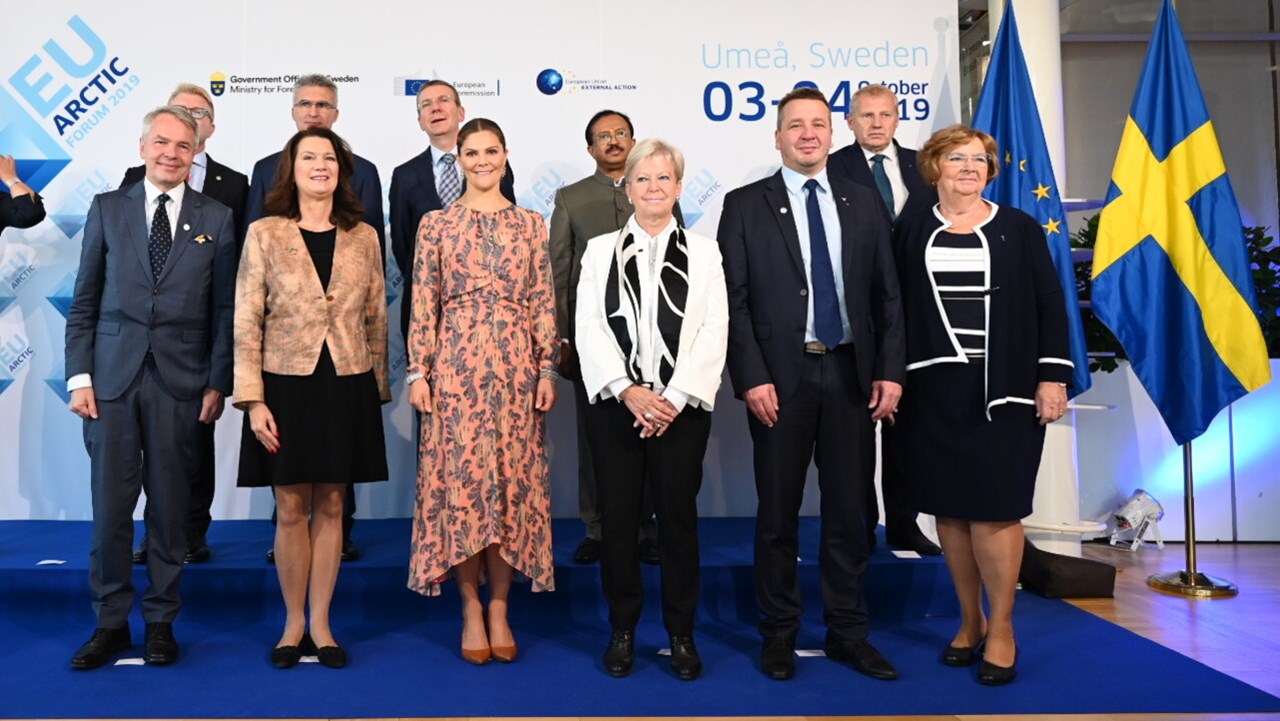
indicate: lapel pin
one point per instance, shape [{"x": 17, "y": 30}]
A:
[
  {"x": 186, "y": 226},
  {"x": 218, "y": 178},
  {"x": 201, "y": 239},
  {"x": 782, "y": 210}
]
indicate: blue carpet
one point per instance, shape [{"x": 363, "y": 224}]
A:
[{"x": 404, "y": 658}]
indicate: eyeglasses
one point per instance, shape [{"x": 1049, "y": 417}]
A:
[
  {"x": 322, "y": 105},
  {"x": 961, "y": 158},
  {"x": 197, "y": 113},
  {"x": 443, "y": 101},
  {"x": 606, "y": 137}
]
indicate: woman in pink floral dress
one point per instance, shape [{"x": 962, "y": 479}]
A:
[{"x": 482, "y": 356}]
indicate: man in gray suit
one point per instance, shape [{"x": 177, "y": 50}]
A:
[
  {"x": 592, "y": 206},
  {"x": 149, "y": 354}
]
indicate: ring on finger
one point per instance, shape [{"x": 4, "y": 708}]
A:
[{"x": 648, "y": 416}]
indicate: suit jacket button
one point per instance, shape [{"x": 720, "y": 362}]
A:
[
  {"x": 155, "y": 291},
  {"x": 804, "y": 291}
]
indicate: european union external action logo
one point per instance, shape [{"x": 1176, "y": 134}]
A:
[
  {"x": 217, "y": 84},
  {"x": 550, "y": 81}
]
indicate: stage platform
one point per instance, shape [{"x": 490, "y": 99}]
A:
[{"x": 405, "y": 662}]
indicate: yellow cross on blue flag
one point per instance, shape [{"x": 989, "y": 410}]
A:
[
  {"x": 1007, "y": 111},
  {"x": 1171, "y": 269}
]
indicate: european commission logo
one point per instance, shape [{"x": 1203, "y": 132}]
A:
[{"x": 217, "y": 84}]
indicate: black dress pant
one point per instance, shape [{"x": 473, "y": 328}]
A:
[
  {"x": 825, "y": 420},
  {"x": 899, "y": 512},
  {"x": 670, "y": 467},
  {"x": 588, "y": 505}
]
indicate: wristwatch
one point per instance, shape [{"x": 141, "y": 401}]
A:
[{"x": 13, "y": 181}]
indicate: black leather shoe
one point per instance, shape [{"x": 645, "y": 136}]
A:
[
  {"x": 286, "y": 656},
  {"x": 140, "y": 556},
  {"x": 621, "y": 653},
  {"x": 271, "y": 556},
  {"x": 350, "y": 551},
  {"x": 962, "y": 655},
  {"x": 778, "y": 657},
  {"x": 990, "y": 674},
  {"x": 162, "y": 647},
  {"x": 912, "y": 539},
  {"x": 98, "y": 650},
  {"x": 863, "y": 657},
  {"x": 198, "y": 554},
  {"x": 685, "y": 661},
  {"x": 649, "y": 551},
  {"x": 588, "y": 551},
  {"x": 331, "y": 656}
]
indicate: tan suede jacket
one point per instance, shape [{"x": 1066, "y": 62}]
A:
[{"x": 284, "y": 316}]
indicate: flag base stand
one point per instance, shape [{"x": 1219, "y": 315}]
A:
[{"x": 1197, "y": 585}]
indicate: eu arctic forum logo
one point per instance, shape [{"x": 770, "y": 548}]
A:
[{"x": 70, "y": 85}]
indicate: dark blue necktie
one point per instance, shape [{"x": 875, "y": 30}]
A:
[
  {"x": 161, "y": 239},
  {"x": 826, "y": 303},
  {"x": 882, "y": 183}
]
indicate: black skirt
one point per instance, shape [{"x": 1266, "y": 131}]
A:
[
  {"x": 956, "y": 463},
  {"x": 330, "y": 430}
]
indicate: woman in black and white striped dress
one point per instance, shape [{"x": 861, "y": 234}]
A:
[{"x": 987, "y": 367}]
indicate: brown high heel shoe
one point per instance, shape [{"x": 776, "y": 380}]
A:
[
  {"x": 505, "y": 654},
  {"x": 478, "y": 656}
]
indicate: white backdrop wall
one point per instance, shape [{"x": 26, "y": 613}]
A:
[{"x": 77, "y": 77}]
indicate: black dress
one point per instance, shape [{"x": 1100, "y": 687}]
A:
[
  {"x": 330, "y": 425},
  {"x": 973, "y": 468}
]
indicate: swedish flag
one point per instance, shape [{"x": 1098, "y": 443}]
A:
[
  {"x": 1007, "y": 111},
  {"x": 1171, "y": 268}
]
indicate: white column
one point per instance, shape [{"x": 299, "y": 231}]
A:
[{"x": 1057, "y": 500}]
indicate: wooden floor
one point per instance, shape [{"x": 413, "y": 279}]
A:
[{"x": 1238, "y": 636}]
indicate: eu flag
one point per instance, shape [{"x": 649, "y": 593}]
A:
[
  {"x": 1171, "y": 269},
  {"x": 1007, "y": 111}
]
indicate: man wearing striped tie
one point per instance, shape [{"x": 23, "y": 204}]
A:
[
  {"x": 876, "y": 161},
  {"x": 430, "y": 180}
]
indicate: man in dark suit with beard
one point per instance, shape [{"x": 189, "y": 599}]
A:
[
  {"x": 877, "y": 162},
  {"x": 230, "y": 188},
  {"x": 817, "y": 351},
  {"x": 149, "y": 357}
]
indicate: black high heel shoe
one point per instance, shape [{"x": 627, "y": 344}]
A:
[
  {"x": 289, "y": 656},
  {"x": 990, "y": 674},
  {"x": 962, "y": 655}
]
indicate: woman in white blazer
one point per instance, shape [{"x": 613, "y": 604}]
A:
[{"x": 652, "y": 328}]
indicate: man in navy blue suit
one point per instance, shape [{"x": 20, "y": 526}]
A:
[
  {"x": 877, "y": 162},
  {"x": 430, "y": 180},
  {"x": 149, "y": 356},
  {"x": 315, "y": 105},
  {"x": 817, "y": 350}
]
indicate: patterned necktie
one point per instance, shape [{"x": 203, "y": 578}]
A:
[
  {"x": 448, "y": 185},
  {"x": 161, "y": 238},
  {"x": 882, "y": 183},
  {"x": 826, "y": 302}
]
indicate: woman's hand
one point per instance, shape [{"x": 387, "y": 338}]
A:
[
  {"x": 653, "y": 413},
  {"x": 545, "y": 395},
  {"x": 8, "y": 168},
  {"x": 1051, "y": 402},
  {"x": 263, "y": 425},
  {"x": 420, "y": 395}
]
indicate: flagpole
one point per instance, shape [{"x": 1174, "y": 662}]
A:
[{"x": 1191, "y": 582}]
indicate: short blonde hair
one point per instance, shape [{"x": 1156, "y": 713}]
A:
[
  {"x": 652, "y": 147},
  {"x": 193, "y": 90},
  {"x": 177, "y": 111},
  {"x": 948, "y": 139}
]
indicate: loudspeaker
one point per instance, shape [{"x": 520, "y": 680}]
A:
[{"x": 1056, "y": 576}]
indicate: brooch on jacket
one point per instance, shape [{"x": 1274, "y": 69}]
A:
[{"x": 201, "y": 239}]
